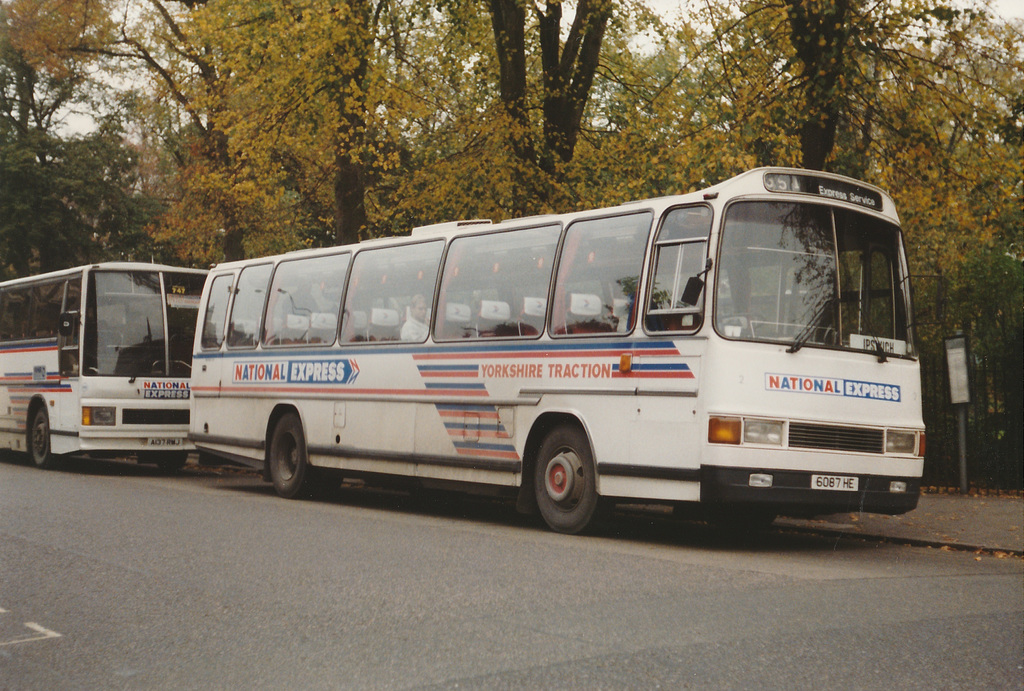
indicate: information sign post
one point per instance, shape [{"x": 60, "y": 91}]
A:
[{"x": 959, "y": 393}]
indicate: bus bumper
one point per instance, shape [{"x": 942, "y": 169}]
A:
[{"x": 790, "y": 492}]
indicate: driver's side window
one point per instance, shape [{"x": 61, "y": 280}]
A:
[{"x": 680, "y": 254}]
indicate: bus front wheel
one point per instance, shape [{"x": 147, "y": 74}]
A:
[
  {"x": 39, "y": 440},
  {"x": 565, "y": 480},
  {"x": 289, "y": 463}
]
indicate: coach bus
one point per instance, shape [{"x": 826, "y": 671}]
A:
[
  {"x": 97, "y": 360},
  {"x": 745, "y": 349}
]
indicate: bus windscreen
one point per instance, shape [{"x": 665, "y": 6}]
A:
[{"x": 125, "y": 330}]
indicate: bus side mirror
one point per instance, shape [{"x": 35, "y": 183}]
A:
[
  {"x": 68, "y": 324},
  {"x": 692, "y": 291}
]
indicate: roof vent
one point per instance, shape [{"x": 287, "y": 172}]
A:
[{"x": 440, "y": 228}]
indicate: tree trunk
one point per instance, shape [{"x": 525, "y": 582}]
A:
[
  {"x": 820, "y": 33},
  {"x": 349, "y": 206},
  {"x": 350, "y": 95},
  {"x": 508, "y": 21},
  {"x": 569, "y": 73}
]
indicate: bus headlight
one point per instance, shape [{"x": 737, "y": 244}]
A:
[
  {"x": 762, "y": 431},
  {"x": 900, "y": 442},
  {"x": 98, "y": 415}
]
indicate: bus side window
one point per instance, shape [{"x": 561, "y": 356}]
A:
[
  {"x": 492, "y": 284},
  {"x": 390, "y": 291},
  {"x": 598, "y": 275},
  {"x": 47, "y": 299},
  {"x": 14, "y": 314},
  {"x": 216, "y": 312},
  {"x": 679, "y": 254},
  {"x": 305, "y": 299},
  {"x": 250, "y": 296}
]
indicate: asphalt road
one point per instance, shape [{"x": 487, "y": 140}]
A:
[{"x": 115, "y": 576}]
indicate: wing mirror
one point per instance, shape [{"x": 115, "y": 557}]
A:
[
  {"x": 695, "y": 286},
  {"x": 68, "y": 324}
]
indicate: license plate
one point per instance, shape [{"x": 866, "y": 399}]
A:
[
  {"x": 842, "y": 483},
  {"x": 165, "y": 442}
]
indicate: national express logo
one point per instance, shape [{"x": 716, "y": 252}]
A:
[
  {"x": 332, "y": 371},
  {"x": 166, "y": 390},
  {"x": 831, "y": 386}
]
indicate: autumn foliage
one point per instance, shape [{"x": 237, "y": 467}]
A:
[{"x": 241, "y": 128}]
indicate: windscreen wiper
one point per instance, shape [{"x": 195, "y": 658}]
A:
[{"x": 812, "y": 324}]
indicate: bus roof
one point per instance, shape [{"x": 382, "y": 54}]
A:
[
  {"x": 762, "y": 182},
  {"x": 101, "y": 266}
]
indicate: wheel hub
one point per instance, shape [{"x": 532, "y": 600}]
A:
[{"x": 561, "y": 474}]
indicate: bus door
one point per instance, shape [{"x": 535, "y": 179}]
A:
[
  {"x": 207, "y": 367},
  {"x": 69, "y": 332}
]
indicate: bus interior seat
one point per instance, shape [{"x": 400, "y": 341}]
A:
[
  {"x": 383, "y": 324},
  {"x": 356, "y": 327},
  {"x": 494, "y": 319},
  {"x": 322, "y": 327},
  {"x": 531, "y": 317},
  {"x": 457, "y": 318},
  {"x": 585, "y": 311}
]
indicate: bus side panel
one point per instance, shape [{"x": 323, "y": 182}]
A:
[
  {"x": 362, "y": 435},
  {"x": 642, "y": 422},
  {"x": 29, "y": 370}
]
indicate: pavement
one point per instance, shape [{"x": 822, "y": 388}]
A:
[{"x": 954, "y": 521}]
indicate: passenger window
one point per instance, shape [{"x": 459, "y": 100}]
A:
[
  {"x": 496, "y": 285},
  {"x": 14, "y": 314},
  {"x": 250, "y": 296},
  {"x": 680, "y": 253},
  {"x": 305, "y": 300},
  {"x": 216, "y": 312},
  {"x": 47, "y": 300},
  {"x": 598, "y": 273},
  {"x": 390, "y": 293}
]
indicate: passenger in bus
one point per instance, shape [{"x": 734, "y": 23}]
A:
[{"x": 415, "y": 327}]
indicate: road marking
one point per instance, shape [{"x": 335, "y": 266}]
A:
[{"x": 43, "y": 632}]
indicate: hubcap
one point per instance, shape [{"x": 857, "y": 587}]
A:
[{"x": 561, "y": 474}]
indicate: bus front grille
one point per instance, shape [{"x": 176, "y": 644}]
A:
[
  {"x": 146, "y": 416},
  {"x": 805, "y": 436}
]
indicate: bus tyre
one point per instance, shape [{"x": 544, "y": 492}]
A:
[
  {"x": 39, "y": 440},
  {"x": 289, "y": 463},
  {"x": 565, "y": 482}
]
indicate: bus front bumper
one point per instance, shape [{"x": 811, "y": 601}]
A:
[{"x": 803, "y": 493}]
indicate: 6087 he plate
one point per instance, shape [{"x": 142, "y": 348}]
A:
[{"x": 842, "y": 483}]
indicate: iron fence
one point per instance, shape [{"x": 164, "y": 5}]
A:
[{"x": 995, "y": 457}]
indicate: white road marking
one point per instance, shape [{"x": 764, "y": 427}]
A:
[{"x": 43, "y": 632}]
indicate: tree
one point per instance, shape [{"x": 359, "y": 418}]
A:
[
  {"x": 298, "y": 109},
  {"x": 64, "y": 199},
  {"x": 567, "y": 72}
]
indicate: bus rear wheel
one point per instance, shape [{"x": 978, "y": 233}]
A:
[
  {"x": 565, "y": 481},
  {"x": 289, "y": 462},
  {"x": 39, "y": 440}
]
